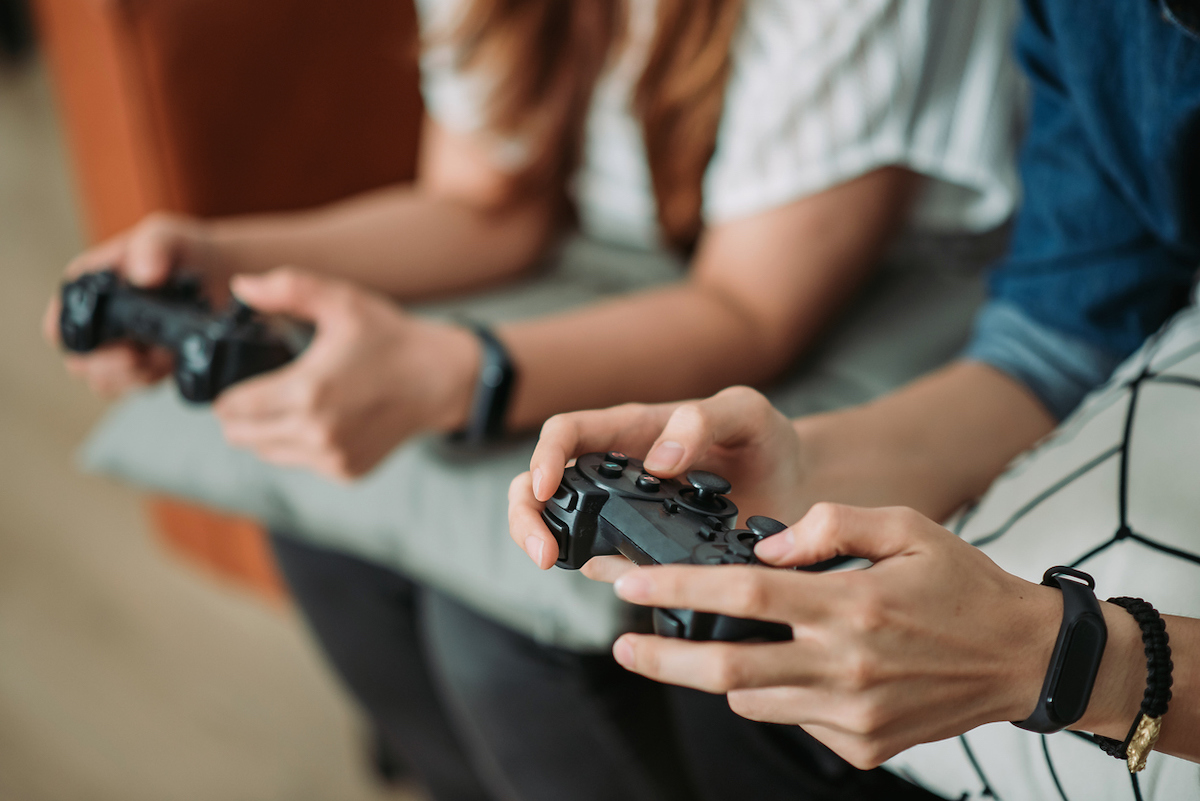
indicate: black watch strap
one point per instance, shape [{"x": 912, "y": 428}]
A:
[
  {"x": 1077, "y": 654},
  {"x": 493, "y": 391}
]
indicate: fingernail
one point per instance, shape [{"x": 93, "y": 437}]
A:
[
  {"x": 664, "y": 456},
  {"x": 623, "y": 652},
  {"x": 633, "y": 587},
  {"x": 776, "y": 546},
  {"x": 535, "y": 548},
  {"x": 537, "y": 484}
]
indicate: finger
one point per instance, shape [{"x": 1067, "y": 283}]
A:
[
  {"x": 150, "y": 252},
  {"x": 50, "y": 321},
  {"x": 286, "y": 455},
  {"x": 287, "y": 290},
  {"x": 104, "y": 256},
  {"x": 830, "y": 529},
  {"x": 607, "y": 568},
  {"x": 630, "y": 427},
  {"x": 289, "y": 430},
  {"x": 753, "y": 592},
  {"x": 716, "y": 667},
  {"x": 112, "y": 369},
  {"x": 732, "y": 416},
  {"x": 276, "y": 394},
  {"x": 525, "y": 524}
]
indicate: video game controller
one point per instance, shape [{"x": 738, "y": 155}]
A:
[
  {"x": 212, "y": 350},
  {"x": 607, "y": 504}
]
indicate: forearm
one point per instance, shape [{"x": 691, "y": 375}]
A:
[
  {"x": 932, "y": 445},
  {"x": 404, "y": 241},
  {"x": 677, "y": 342},
  {"x": 1117, "y": 695}
]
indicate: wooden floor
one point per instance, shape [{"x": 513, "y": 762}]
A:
[{"x": 124, "y": 673}]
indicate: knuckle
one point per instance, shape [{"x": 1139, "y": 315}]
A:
[
  {"x": 866, "y": 754},
  {"x": 748, "y": 597},
  {"x": 691, "y": 417},
  {"x": 726, "y": 672},
  {"x": 859, "y": 671},
  {"x": 745, "y": 704},
  {"x": 867, "y": 614},
  {"x": 826, "y": 517},
  {"x": 864, "y": 718}
]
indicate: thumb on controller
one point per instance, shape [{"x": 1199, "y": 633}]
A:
[
  {"x": 832, "y": 529},
  {"x": 291, "y": 291}
]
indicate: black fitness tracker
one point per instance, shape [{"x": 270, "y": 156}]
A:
[
  {"x": 1077, "y": 654},
  {"x": 493, "y": 391}
]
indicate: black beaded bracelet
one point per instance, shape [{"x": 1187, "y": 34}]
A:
[{"x": 1146, "y": 726}]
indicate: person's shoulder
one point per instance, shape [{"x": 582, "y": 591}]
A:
[{"x": 434, "y": 14}]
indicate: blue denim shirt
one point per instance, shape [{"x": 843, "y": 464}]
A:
[{"x": 1107, "y": 240}]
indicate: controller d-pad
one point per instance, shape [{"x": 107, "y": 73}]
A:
[
  {"x": 741, "y": 542},
  {"x": 709, "y": 553}
]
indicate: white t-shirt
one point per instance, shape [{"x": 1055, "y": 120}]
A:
[{"x": 820, "y": 92}]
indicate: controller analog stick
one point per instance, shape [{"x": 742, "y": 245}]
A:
[
  {"x": 764, "y": 527},
  {"x": 708, "y": 487}
]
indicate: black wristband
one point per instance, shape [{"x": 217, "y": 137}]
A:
[
  {"x": 1077, "y": 654},
  {"x": 1143, "y": 734},
  {"x": 493, "y": 391}
]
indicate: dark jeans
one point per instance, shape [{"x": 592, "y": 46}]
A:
[
  {"x": 468, "y": 704},
  {"x": 480, "y": 711}
]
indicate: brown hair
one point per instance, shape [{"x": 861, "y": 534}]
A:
[{"x": 545, "y": 57}]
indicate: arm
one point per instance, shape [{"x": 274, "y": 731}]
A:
[
  {"x": 933, "y": 446},
  {"x": 455, "y": 228},
  {"x": 932, "y": 641},
  {"x": 759, "y": 291}
]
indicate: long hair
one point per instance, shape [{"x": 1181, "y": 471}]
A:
[{"x": 542, "y": 59}]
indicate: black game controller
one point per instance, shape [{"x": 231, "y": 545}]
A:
[
  {"x": 212, "y": 349},
  {"x": 607, "y": 504}
]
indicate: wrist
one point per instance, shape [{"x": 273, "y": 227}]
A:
[
  {"x": 1117, "y": 696},
  {"x": 1040, "y": 611},
  {"x": 458, "y": 361}
]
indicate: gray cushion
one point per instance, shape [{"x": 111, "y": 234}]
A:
[{"x": 442, "y": 519}]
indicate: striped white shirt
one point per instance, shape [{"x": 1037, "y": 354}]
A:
[{"x": 821, "y": 92}]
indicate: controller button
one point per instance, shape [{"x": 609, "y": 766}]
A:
[
  {"x": 610, "y": 470},
  {"x": 764, "y": 526},
  {"x": 648, "y": 483},
  {"x": 708, "y": 487},
  {"x": 670, "y": 507},
  {"x": 564, "y": 499},
  {"x": 668, "y": 625},
  {"x": 616, "y": 457},
  {"x": 717, "y": 523},
  {"x": 709, "y": 553},
  {"x": 708, "y": 533},
  {"x": 561, "y": 532}
]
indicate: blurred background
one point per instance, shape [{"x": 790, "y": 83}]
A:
[{"x": 147, "y": 648}]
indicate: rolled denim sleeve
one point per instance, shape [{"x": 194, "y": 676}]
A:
[
  {"x": 1099, "y": 259},
  {"x": 1056, "y": 367}
]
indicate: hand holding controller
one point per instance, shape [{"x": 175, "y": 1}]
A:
[
  {"x": 212, "y": 350},
  {"x": 607, "y": 504}
]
